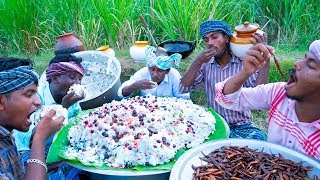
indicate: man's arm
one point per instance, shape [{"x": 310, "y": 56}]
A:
[
  {"x": 142, "y": 84},
  {"x": 188, "y": 79},
  {"x": 263, "y": 73},
  {"x": 46, "y": 127},
  {"x": 253, "y": 60}
]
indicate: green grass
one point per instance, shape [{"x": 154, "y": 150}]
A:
[{"x": 31, "y": 26}]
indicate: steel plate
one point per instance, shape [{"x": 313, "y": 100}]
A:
[{"x": 182, "y": 169}]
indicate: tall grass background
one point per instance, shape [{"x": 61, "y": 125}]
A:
[{"x": 30, "y": 26}]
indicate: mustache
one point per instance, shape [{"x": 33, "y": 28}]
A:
[{"x": 292, "y": 71}]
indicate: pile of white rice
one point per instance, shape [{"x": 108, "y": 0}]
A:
[{"x": 138, "y": 131}]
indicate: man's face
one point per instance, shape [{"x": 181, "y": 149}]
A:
[
  {"x": 63, "y": 82},
  {"x": 217, "y": 40},
  {"x": 16, "y": 108},
  {"x": 304, "y": 82},
  {"x": 157, "y": 74}
]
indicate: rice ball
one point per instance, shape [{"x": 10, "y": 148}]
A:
[
  {"x": 60, "y": 111},
  {"x": 78, "y": 89}
]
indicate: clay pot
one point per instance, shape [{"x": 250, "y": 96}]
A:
[
  {"x": 68, "y": 43},
  {"x": 240, "y": 41},
  {"x": 106, "y": 49},
  {"x": 137, "y": 51}
]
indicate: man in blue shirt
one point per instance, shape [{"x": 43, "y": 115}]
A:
[{"x": 18, "y": 100}]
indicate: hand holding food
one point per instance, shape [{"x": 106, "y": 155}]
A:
[
  {"x": 78, "y": 90},
  {"x": 207, "y": 54},
  {"x": 59, "y": 112}
]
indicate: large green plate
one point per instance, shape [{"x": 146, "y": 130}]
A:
[{"x": 60, "y": 142}]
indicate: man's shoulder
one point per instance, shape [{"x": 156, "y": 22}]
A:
[
  {"x": 174, "y": 70},
  {"x": 143, "y": 70}
]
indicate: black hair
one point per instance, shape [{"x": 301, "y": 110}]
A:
[
  {"x": 65, "y": 58},
  {"x": 7, "y": 63}
]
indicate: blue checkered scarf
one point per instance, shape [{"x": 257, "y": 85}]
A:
[
  {"x": 162, "y": 62},
  {"x": 214, "y": 25},
  {"x": 17, "y": 78}
]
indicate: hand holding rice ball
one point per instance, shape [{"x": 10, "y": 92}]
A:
[
  {"x": 60, "y": 111},
  {"x": 78, "y": 90}
]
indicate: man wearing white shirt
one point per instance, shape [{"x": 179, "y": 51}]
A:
[{"x": 158, "y": 78}]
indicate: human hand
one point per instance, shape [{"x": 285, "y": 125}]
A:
[
  {"x": 145, "y": 84},
  {"x": 255, "y": 57},
  {"x": 47, "y": 126},
  {"x": 69, "y": 99},
  {"x": 259, "y": 37},
  {"x": 206, "y": 55}
]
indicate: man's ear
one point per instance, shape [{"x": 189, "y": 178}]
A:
[
  {"x": 3, "y": 100},
  {"x": 54, "y": 79},
  {"x": 227, "y": 39},
  {"x": 167, "y": 71}
]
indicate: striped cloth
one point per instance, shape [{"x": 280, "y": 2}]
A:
[
  {"x": 210, "y": 74},
  {"x": 17, "y": 78},
  {"x": 162, "y": 62},
  {"x": 11, "y": 166},
  {"x": 60, "y": 68}
]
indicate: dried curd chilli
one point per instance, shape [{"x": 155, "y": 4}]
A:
[{"x": 233, "y": 162}]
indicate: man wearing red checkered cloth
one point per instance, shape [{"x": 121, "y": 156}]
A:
[{"x": 294, "y": 117}]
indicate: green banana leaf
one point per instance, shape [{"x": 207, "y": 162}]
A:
[{"x": 56, "y": 152}]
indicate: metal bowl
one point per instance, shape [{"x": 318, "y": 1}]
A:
[
  {"x": 184, "y": 48},
  {"x": 182, "y": 168},
  {"x": 101, "y": 80}
]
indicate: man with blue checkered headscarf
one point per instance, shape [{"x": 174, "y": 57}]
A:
[
  {"x": 18, "y": 100},
  {"x": 217, "y": 63},
  {"x": 159, "y": 78}
]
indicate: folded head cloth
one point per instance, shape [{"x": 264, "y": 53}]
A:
[
  {"x": 56, "y": 69},
  {"x": 162, "y": 62},
  {"x": 214, "y": 25},
  {"x": 315, "y": 48},
  {"x": 17, "y": 78}
]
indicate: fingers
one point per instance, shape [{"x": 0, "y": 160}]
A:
[
  {"x": 211, "y": 52},
  {"x": 258, "y": 54},
  {"x": 259, "y": 37},
  {"x": 58, "y": 123},
  {"x": 48, "y": 126},
  {"x": 145, "y": 84}
]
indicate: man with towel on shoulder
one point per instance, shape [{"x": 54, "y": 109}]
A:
[
  {"x": 159, "y": 78},
  {"x": 217, "y": 63}
]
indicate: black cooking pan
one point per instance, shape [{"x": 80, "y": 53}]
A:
[{"x": 184, "y": 48}]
